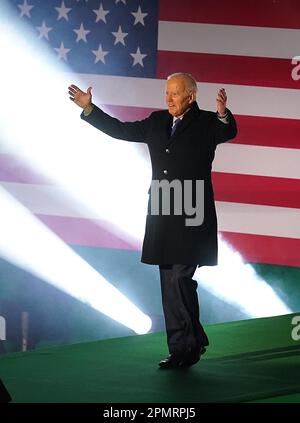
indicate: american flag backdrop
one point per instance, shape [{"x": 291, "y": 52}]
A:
[{"x": 246, "y": 47}]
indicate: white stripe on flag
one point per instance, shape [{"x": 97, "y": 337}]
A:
[
  {"x": 258, "y": 220},
  {"x": 48, "y": 200},
  {"x": 261, "y": 161},
  {"x": 228, "y": 39}
]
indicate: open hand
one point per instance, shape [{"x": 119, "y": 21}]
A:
[
  {"x": 79, "y": 97},
  {"x": 221, "y": 101}
]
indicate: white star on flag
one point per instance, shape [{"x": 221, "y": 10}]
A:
[
  {"x": 63, "y": 11},
  {"x": 120, "y": 36},
  {"x": 123, "y": 1},
  {"x": 100, "y": 54},
  {"x": 25, "y": 9},
  {"x": 62, "y": 52},
  {"x": 138, "y": 57},
  {"x": 101, "y": 13},
  {"x": 43, "y": 30},
  {"x": 139, "y": 16},
  {"x": 81, "y": 33}
]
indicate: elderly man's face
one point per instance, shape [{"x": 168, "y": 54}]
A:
[{"x": 178, "y": 99}]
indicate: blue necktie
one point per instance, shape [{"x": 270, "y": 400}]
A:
[{"x": 174, "y": 126}]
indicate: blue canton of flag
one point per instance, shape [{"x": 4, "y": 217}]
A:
[{"x": 115, "y": 37}]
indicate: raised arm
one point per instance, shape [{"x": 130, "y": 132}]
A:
[
  {"x": 226, "y": 128},
  {"x": 128, "y": 131}
]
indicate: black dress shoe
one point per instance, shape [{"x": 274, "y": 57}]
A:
[
  {"x": 193, "y": 357},
  {"x": 173, "y": 361}
]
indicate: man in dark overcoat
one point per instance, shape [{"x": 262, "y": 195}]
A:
[{"x": 181, "y": 225}]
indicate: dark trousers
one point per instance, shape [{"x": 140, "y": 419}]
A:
[{"x": 181, "y": 308}]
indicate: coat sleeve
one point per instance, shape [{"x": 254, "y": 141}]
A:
[
  {"x": 225, "y": 131},
  {"x": 128, "y": 131}
]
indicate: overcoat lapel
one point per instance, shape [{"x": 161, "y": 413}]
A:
[
  {"x": 168, "y": 126},
  {"x": 185, "y": 122}
]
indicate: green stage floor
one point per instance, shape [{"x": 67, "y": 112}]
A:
[{"x": 248, "y": 361}]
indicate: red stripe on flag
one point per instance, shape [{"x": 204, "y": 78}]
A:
[
  {"x": 249, "y": 189},
  {"x": 265, "y": 249},
  {"x": 267, "y": 131},
  {"x": 92, "y": 233},
  {"x": 264, "y": 13},
  {"x": 12, "y": 169},
  {"x": 128, "y": 113},
  {"x": 229, "y": 69}
]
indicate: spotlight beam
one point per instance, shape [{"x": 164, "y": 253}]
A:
[
  {"x": 236, "y": 282},
  {"x": 29, "y": 244}
]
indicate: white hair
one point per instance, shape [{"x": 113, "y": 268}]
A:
[{"x": 190, "y": 82}]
